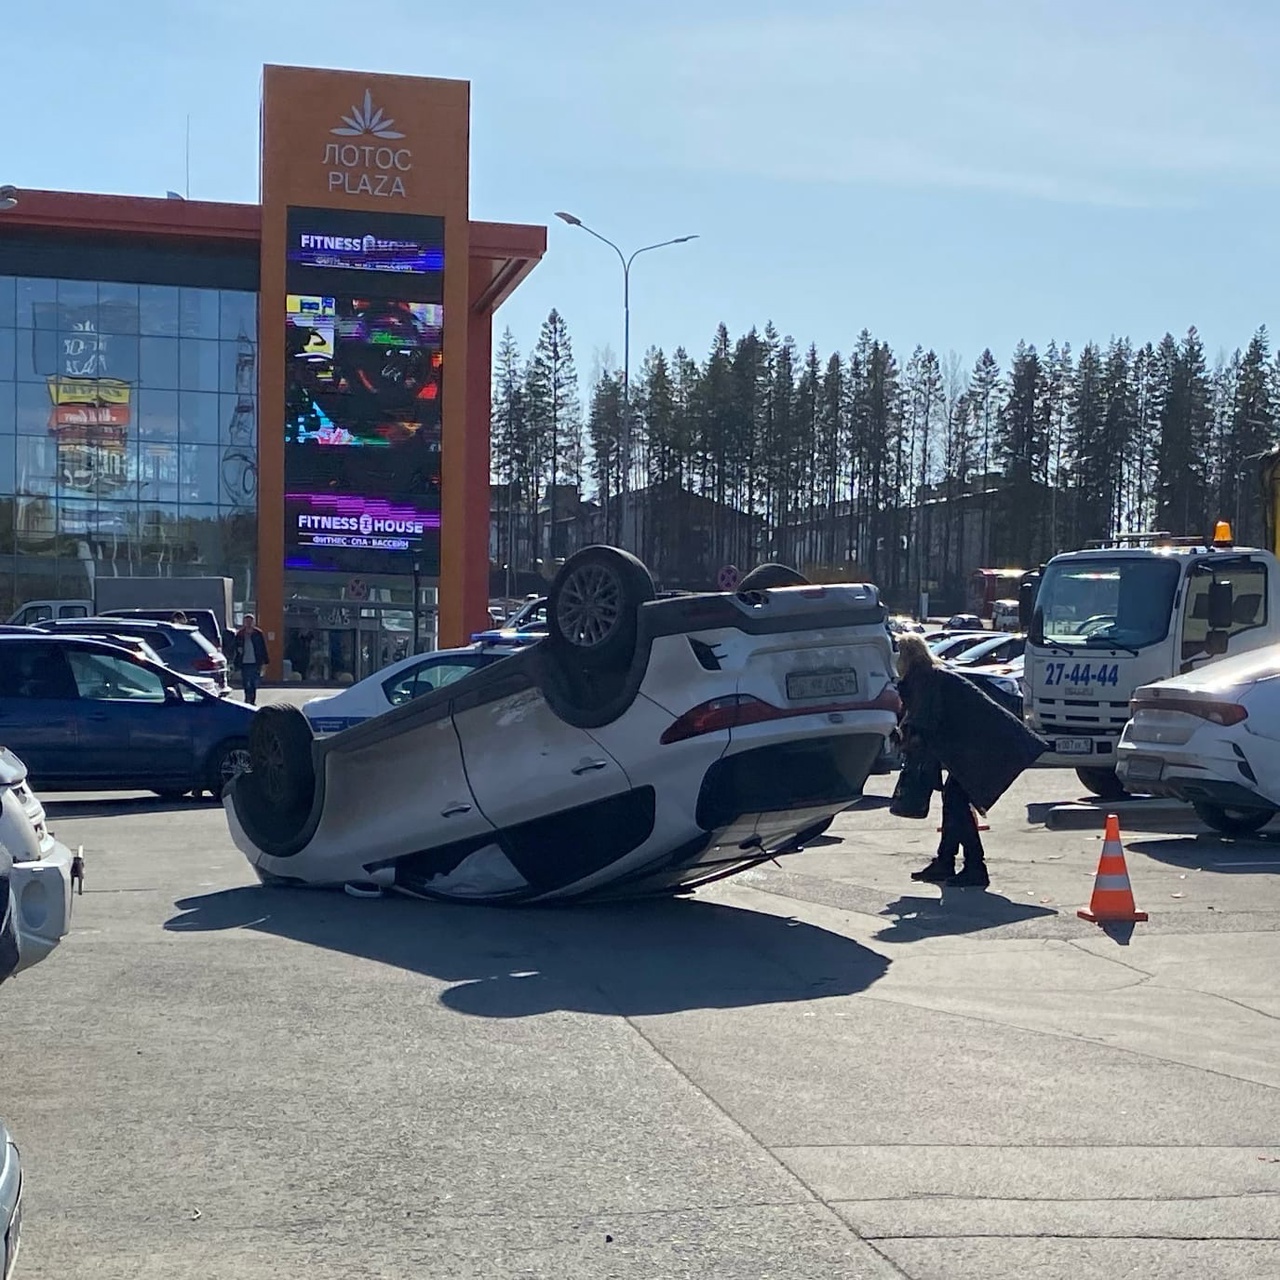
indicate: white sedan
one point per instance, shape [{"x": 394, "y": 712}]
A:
[
  {"x": 1211, "y": 737},
  {"x": 644, "y": 746},
  {"x": 36, "y": 874},
  {"x": 397, "y": 684}
]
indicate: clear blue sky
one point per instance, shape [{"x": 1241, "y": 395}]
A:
[{"x": 957, "y": 173}]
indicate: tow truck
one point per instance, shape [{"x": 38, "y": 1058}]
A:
[{"x": 1132, "y": 609}]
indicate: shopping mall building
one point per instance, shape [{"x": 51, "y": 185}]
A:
[{"x": 292, "y": 394}]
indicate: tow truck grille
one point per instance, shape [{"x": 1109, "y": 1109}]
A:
[{"x": 1079, "y": 716}]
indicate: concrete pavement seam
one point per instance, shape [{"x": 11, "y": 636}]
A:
[
  {"x": 1054, "y": 1235},
  {"x": 1069, "y": 1035},
  {"x": 814, "y": 1197}
]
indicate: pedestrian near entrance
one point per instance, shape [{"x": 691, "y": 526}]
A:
[
  {"x": 980, "y": 745},
  {"x": 249, "y": 653}
]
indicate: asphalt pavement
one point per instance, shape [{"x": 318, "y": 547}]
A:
[{"x": 819, "y": 1069}]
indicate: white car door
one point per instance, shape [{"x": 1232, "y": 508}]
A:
[{"x": 524, "y": 762}]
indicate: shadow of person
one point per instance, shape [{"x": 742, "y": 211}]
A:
[
  {"x": 648, "y": 957},
  {"x": 956, "y": 911}
]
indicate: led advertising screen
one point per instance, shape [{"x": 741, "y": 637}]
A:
[{"x": 364, "y": 377}]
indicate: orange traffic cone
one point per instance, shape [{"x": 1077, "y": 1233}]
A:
[{"x": 1112, "y": 893}]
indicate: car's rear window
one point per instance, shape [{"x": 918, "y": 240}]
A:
[{"x": 202, "y": 641}]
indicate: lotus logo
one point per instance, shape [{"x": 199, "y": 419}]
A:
[{"x": 365, "y": 119}]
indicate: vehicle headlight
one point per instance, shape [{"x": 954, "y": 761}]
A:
[{"x": 1007, "y": 686}]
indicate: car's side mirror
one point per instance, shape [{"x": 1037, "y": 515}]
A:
[
  {"x": 1035, "y": 632},
  {"x": 1221, "y": 606},
  {"x": 172, "y": 693}
]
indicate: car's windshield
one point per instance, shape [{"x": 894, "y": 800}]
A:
[{"x": 1126, "y": 601}]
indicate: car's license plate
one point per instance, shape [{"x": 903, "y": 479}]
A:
[
  {"x": 1074, "y": 746},
  {"x": 1146, "y": 768},
  {"x": 821, "y": 684}
]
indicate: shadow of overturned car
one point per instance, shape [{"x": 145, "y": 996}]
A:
[{"x": 626, "y": 959}]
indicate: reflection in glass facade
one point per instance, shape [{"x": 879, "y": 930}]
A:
[{"x": 128, "y": 435}]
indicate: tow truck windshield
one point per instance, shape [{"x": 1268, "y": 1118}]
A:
[{"x": 1126, "y": 602}]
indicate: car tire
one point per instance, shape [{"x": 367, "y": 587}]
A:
[
  {"x": 280, "y": 763},
  {"x": 226, "y": 761},
  {"x": 1102, "y": 783},
  {"x": 1232, "y": 822},
  {"x": 765, "y": 576},
  {"x": 593, "y": 607}
]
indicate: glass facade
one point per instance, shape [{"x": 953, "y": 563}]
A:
[{"x": 128, "y": 434}]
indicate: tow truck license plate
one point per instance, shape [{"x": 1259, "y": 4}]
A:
[
  {"x": 1074, "y": 746},
  {"x": 821, "y": 684}
]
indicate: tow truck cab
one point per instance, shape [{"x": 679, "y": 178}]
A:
[{"x": 1129, "y": 611}]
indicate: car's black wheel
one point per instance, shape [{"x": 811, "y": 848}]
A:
[
  {"x": 765, "y": 576},
  {"x": 280, "y": 757},
  {"x": 227, "y": 760},
  {"x": 1232, "y": 822},
  {"x": 1102, "y": 783},
  {"x": 593, "y": 604}
]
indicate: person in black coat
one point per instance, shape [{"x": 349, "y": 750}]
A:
[
  {"x": 982, "y": 747},
  {"x": 249, "y": 653}
]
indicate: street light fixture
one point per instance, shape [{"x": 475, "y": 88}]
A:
[
  {"x": 626, "y": 261},
  {"x": 8, "y": 197}
]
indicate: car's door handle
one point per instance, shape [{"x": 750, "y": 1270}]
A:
[
  {"x": 453, "y": 810},
  {"x": 590, "y": 766},
  {"x": 98, "y": 715}
]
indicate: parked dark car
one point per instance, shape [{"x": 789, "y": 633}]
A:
[
  {"x": 203, "y": 619},
  {"x": 184, "y": 649},
  {"x": 85, "y": 715}
]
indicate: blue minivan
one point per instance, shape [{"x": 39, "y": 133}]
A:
[{"x": 86, "y": 715}]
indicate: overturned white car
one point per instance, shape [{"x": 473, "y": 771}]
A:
[{"x": 645, "y": 746}]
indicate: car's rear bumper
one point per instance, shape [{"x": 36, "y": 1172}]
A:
[
  {"x": 42, "y": 894},
  {"x": 1210, "y": 767}
]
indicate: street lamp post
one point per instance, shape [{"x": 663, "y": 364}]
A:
[{"x": 625, "y": 479}]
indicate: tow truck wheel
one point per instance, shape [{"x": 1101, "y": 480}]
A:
[
  {"x": 1102, "y": 783},
  {"x": 1233, "y": 822}
]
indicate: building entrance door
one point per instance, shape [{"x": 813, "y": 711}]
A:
[{"x": 340, "y": 642}]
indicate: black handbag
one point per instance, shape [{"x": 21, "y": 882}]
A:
[{"x": 919, "y": 778}]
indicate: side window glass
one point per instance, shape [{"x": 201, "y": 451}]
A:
[
  {"x": 401, "y": 688},
  {"x": 101, "y": 677},
  {"x": 1248, "y": 606},
  {"x": 444, "y": 673},
  {"x": 73, "y": 611},
  {"x": 40, "y": 671}
]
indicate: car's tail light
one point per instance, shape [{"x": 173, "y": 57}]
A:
[
  {"x": 737, "y": 709},
  {"x": 717, "y": 714},
  {"x": 1223, "y": 713},
  {"x": 209, "y": 662}
]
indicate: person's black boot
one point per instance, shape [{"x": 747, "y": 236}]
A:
[
  {"x": 974, "y": 876},
  {"x": 939, "y": 871}
]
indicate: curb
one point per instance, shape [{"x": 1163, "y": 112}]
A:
[{"x": 1150, "y": 815}]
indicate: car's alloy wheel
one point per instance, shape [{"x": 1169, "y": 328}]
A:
[
  {"x": 593, "y": 607},
  {"x": 589, "y": 606}
]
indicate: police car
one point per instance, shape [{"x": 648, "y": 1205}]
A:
[{"x": 398, "y": 684}]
